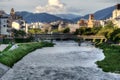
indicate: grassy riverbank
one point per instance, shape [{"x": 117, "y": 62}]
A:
[
  {"x": 10, "y": 57},
  {"x": 111, "y": 63}
]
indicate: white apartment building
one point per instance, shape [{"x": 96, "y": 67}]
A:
[
  {"x": 116, "y": 16},
  {"x": 4, "y": 24}
]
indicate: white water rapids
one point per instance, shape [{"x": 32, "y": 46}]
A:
[{"x": 65, "y": 61}]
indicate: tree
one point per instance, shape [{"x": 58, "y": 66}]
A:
[
  {"x": 107, "y": 30},
  {"x": 115, "y": 35},
  {"x": 35, "y": 31},
  {"x": 66, "y": 30},
  {"x": 77, "y": 32},
  {"x": 109, "y": 25},
  {"x": 18, "y": 33}
]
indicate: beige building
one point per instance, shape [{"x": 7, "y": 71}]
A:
[
  {"x": 91, "y": 21},
  {"x": 116, "y": 12},
  {"x": 62, "y": 26},
  {"x": 82, "y": 23},
  {"x": 73, "y": 27},
  {"x": 20, "y": 25},
  {"x": 116, "y": 16},
  {"x": 16, "y": 22}
]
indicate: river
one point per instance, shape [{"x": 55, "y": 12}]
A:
[{"x": 65, "y": 61}]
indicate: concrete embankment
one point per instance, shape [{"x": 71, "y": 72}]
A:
[{"x": 3, "y": 69}]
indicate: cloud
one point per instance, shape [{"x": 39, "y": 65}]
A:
[
  {"x": 53, "y": 6},
  {"x": 110, "y": 1},
  {"x": 4, "y": 0},
  {"x": 55, "y": 3}
]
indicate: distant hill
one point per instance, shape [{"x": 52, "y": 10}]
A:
[
  {"x": 39, "y": 17},
  {"x": 45, "y": 17},
  {"x": 99, "y": 15},
  {"x": 67, "y": 16}
]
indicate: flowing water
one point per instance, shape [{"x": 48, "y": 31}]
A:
[{"x": 65, "y": 61}]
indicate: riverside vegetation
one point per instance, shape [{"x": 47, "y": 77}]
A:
[
  {"x": 111, "y": 63},
  {"x": 10, "y": 57},
  {"x": 112, "y": 52}
]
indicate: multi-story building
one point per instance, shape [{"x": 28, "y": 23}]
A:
[
  {"x": 73, "y": 27},
  {"x": 91, "y": 21},
  {"x": 116, "y": 12},
  {"x": 116, "y": 16},
  {"x": 19, "y": 25},
  {"x": 82, "y": 23},
  {"x": 9, "y": 22},
  {"x": 4, "y": 23},
  {"x": 62, "y": 26},
  {"x": 16, "y": 22}
]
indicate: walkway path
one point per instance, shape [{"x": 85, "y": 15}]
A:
[
  {"x": 65, "y": 61},
  {"x": 3, "y": 46}
]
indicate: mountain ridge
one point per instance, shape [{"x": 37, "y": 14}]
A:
[
  {"x": 39, "y": 17},
  {"x": 46, "y": 17},
  {"x": 100, "y": 14}
]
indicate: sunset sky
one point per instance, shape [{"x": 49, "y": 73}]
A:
[{"x": 80, "y": 7}]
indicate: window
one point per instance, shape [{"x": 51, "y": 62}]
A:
[
  {"x": 4, "y": 25},
  {"x": 7, "y": 21},
  {"x": 8, "y": 26}
]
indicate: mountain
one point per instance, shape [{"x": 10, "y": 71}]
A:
[
  {"x": 67, "y": 16},
  {"x": 100, "y": 15},
  {"x": 39, "y": 17},
  {"x": 45, "y": 17}
]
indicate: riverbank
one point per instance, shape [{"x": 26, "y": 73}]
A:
[
  {"x": 2, "y": 47},
  {"x": 65, "y": 61},
  {"x": 111, "y": 63},
  {"x": 10, "y": 57}
]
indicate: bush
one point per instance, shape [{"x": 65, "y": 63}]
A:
[
  {"x": 111, "y": 63},
  {"x": 115, "y": 35},
  {"x": 66, "y": 30},
  {"x": 87, "y": 31},
  {"x": 35, "y": 31},
  {"x": 10, "y": 57},
  {"x": 23, "y": 40},
  {"x": 6, "y": 41}
]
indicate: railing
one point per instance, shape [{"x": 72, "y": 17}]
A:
[
  {"x": 65, "y": 36},
  {"x": 91, "y": 37},
  {"x": 55, "y": 36}
]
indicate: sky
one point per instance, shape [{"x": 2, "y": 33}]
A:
[{"x": 80, "y": 7}]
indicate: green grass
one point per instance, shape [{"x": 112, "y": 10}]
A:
[
  {"x": 111, "y": 63},
  {"x": 9, "y": 58}
]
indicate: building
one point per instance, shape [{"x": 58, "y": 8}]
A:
[
  {"x": 19, "y": 25},
  {"x": 116, "y": 22},
  {"x": 82, "y": 23},
  {"x": 62, "y": 26},
  {"x": 35, "y": 25},
  {"x": 4, "y": 23},
  {"x": 73, "y": 27},
  {"x": 116, "y": 16},
  {"x": 116, "y": 12},
  {"x": 16, "y": 22},
  {"x": 91, "y": 21}
]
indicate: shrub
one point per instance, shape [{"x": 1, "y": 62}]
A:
[
  {"x": 111, "y": 63},
  {"x": 10, "y": 57},
  {"x": 66, "y": 30}
]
